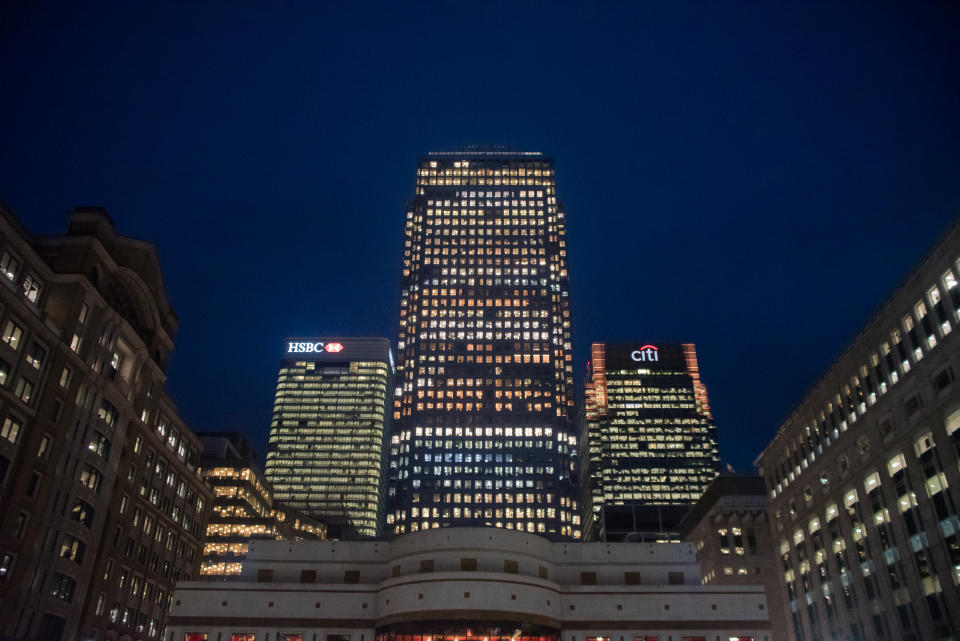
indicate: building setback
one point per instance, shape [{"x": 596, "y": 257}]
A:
[
  {"x": 243, "y": 506},
  {"x": 730, "y": 529},
  {"x": 647, "y": 439},
  {"x": 485, "y": 378},
  {"x": 102, "y": 506},
  {"x": 468, "y": 584},
  {"x": 863, "y": 475},
  {"x": 331, "y": 416}
]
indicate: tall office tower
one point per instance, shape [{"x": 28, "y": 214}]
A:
[
  {"x": 101, "y": 508},
  {"x": 485, "y": 378},
  {"x": 243, "y": 509},
  {"x": 864, "y": 475},
  {"x": 331, "y": 417},
  {"x": 647, "y": 439}
]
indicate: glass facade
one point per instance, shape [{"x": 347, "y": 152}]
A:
[
  {"x": 242, "y": 506},
  {"x": 485, "y": 377},
  {"x": 328, "y": 433},
  {"x": 646, "y": 432}
]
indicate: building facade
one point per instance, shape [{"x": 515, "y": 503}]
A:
[
  {"x": 483, "y": 434},
  {"x": 331, "y": 417},
  {"x": 647, "y": 438},
  {"x": 468, "y": 584},
  {"x": 102, "y": 506},
  {"x": 864, "y": 474},
  {"x": 243, "y": 506},
  {"x": 730, "y": 529}
]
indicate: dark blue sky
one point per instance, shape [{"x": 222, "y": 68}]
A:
[{"x": 753, "y": 177}]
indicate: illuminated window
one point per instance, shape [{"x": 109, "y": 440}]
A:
[
  {"x": 32, "y": 286},
  {"x": 9, "y": 265},
  {"x": 12, "y": 334}
]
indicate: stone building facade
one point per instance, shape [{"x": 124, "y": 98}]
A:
[
  {"x": 468, "y": 584},
  {"x": 730, "y": 529},
  {"x": 102, "y": 506},
  {"x": 864, "y": 475}
]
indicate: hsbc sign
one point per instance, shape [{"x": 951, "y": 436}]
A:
[{"x": 313, "y": 347}]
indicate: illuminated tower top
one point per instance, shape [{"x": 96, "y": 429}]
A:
[
  {"x": 648, "y": 444},
  {"x": 331, "y": 416}
]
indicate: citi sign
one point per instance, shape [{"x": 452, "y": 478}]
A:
[
  {"x": 647, "y": 353},
  {"x": 313, "y": 348}
]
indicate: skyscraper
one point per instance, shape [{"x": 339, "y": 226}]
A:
[
  {"x": 331, "y": 414},
  {"x": 485, "y": 378},
  {"x": 647, "y": 438}
]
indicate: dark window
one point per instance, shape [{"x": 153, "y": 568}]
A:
[
  {"x": 63, "y": 587},
  {"x": 886, "y": 429},
  {"x": 942, "y": 380},
  {"x": 426, "y": 566},
  {"x": 33, "y": 485},
  {"x": 511, "y": 567},
  {"x": 544, "y": 573},
  {"x": 264, "y": 576},
  {"x": 351, "y": 576},
  {"x": 51, "y": 627},
  {"x": 631, "y": 578},
  {"x": 20, "y": 525},
  {"x": 912, "y": 406},
  {"x": 396, "y": 570},
  {"x": 4, "y": 466},
  {"x": 588, "y": 578},
  {"x": 675, "y": 578},
  {"x": 308, "y": 576},
  {"x": 82, "y": 513},
  {"x": 468, "y": 565}
]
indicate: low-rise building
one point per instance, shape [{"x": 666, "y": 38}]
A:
[
  {"x": 243, "y": 506},
  {"x": 468, "y": 584},
  {"x": 730, "y": 529}
]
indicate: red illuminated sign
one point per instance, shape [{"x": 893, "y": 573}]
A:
[{"x": 333, "y": 348}]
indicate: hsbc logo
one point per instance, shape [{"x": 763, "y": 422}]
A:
[
  {"x": 313, "y": 348},
  {"x": 647, "y": 353}
]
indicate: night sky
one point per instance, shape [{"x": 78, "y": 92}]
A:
[{"x": 752, "y": 177}]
